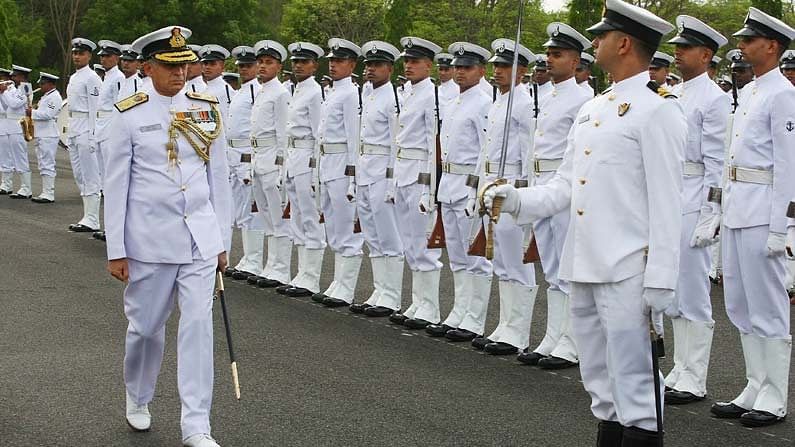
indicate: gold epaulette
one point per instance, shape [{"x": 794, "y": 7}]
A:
[
  {"x": 665, "y": 93},
  {"x": 202, "y": 97},
  {"x": 131, "y": 101}
]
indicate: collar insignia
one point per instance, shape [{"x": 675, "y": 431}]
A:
[{"x": 623, "y": 109}]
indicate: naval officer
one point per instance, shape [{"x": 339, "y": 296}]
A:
[{"x": 46, "y": 136}]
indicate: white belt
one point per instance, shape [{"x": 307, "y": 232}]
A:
[
  {"x": 2, "y": 115},
  {"x": 748, "y": 175},
  {"x": 104, "y": 113},
  {"x": 546, "y": 165},
  {"x": 510, "y": 168},
  {"x": 236, "y": 143},
  {"x": 333, "y": 148},
  {"x": 14, "y": 116},
  {"x": 301, "y": 144},
  {"x": 78, "y": 114},
  {"x": 263, "y": 142},
  {"x": 374, "y": 149},
  {"x": 692, "y": 169},
  {"x": 412, "y": 153},
  {"x": 458, "y": 168}
]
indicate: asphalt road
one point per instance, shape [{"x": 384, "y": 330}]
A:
[{"x": 309, "y": 375}]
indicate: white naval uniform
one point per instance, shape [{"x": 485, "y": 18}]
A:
[
  {"x": 543, "y": 89},
  {"x": 6, "y": 159},
  {"x": 707, "y": 112},
  {"x": 339, "y": 140},
  {"x": 303, "y": 121},
  {"x": 187, "y": 203},
  {"x": 129, "y": 86},
  {"x": 82, "y": 93},
  {"x": 108, "y": 95},
  {"x": 585, "y": 85},
  {"x": 557, "y": 113},
  {"x": 763, "y": 138},
  {"x": 46, "y": 139},
  {"x": 416, "y": 141},
  {"x": 517, "y": 282},
  {"x": 448, "y": 92},
  {"x": 223, "y": 92},
  {"x": 269, "y": 140},
  {"x": 196, "y": 85},
  {"x": 463, "y": 135},
  {"x": 621, "y": 177},
  {"x": 14, "y": 148},
  {"x": 377, "y": 214}
]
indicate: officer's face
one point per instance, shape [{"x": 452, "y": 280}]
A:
[
  {"x": 304, "y": 68},
  {"x": 562, "y": 63},
  {"x": 417, "y": 69},
  {"x": 467, "y": 77},
  {"x": 81, "y": 58},
  {"x": 582, "y": 74},
  {"x": 377, "y": 72},
  {"x": 109, "y": 61},
  {"x": 692, "y": 60},
  {"x": 128, "y": 67},
  {"x": 46, "y": 86},
  {"x": 789, "y": 73},
  {"x": 212, "y": 69},
  {"x": 340, "y": 68},
  {"x": 268, "y": 68},
  {"x": 167, "y": 79},
  {"x": 247, "y": 71},
  {"x": 18, "y": 78},
  {"x": 541, "y": 76},
  {"x": 658, "y": 74},
  {"x": 446, "y": 73},
  {"x": 502, "y": 75},
  {"x": 758, "y": 51},
  {"x": 742, "y": 76},
  {"x": 194, "y": 69}
]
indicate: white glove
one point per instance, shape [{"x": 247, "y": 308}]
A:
[
  {"x": 706, "y": 229},
  {"x": 776, "y": 244},
  {"x": 351, "y": 195},
  {"x": 313, "y": 189},
  {"x": 470, "y": 208},
  {"x": 425, "y": 201},
  {"x": 790, "y": 242},
  {"x": 389, "y": 193},
  {"x": 511, "y": 202},
  {"x": 658, "y": 299}
]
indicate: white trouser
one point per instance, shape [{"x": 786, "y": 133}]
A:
[
  {"x": 413, "y": 227},
  {"x": 716, "y": 265},
  {"x": 18, "y": 152},
  {"x": 754, "y": 290},
  {"x": 509, "y": 254},
  {"x": 149, "y": 298},
  {"x": 305, "y": 223},
  {"x": 692, "y": 345},
  {"x": 242, "y": 198},
  {"x": 424, "y": 296},
  {"x": 767, "y": 364},
  {"x": 692, "y": 289},
  {"x": 77, "y": 170},
  {"x": 269, "y": 203},
  {"x": 100, "y": 163},
  {"x": 339, "y": 216},
  {"x": 46, "y": 147},
  {"x": 558, "y": 341},
  {"x": 6, "y": 155},
  {"x": 550, "y": 234},
  {"x": 378, "y": 221},
  {"x": 611, "y": 326},
  {"x": 457, "y": 229},
  {"x": 88, "y": 180},
  {"x": 516, "y": 314}
]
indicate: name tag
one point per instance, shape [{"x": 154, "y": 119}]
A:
[
  {"x": 150, "y": 128},
  {"x": 584, "y": 118}
]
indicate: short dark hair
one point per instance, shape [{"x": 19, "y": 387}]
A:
[{"x": 642, "y": 49}]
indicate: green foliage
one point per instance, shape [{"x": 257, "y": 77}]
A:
[
  {"x": 773, "y": 7},
  {"x": 316, "y": 22},
  {"x": 21, "y": 36}
]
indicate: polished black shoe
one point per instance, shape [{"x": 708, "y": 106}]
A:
[
  {"x": 20, "y": 196},
  {"x": 334, "y": 302},
  {"x": 229, "y": 272},
  {"x": 359, "y": 308},
  {"x": 266, "y": 283},
  {"x": 609, "y": 434},
  {"x": 253, "y": 279},
  {"x": 759, "y": 418},
  {"x": 99, "y": 235},
  {"x": 241, "y": 275},
  {"x": 727, "y": 410},
  {"x": 674, "y": 397},
  {"x": 500, "y": 348},
  {"x": 460, "y": 335},
  {"x": 398, "y": 318},
  {"x": 638, "y": 437},
  {"x": 379, "y": 311},
  {"x": 438, "y": 330},
  {"x": 41, "y": 200},
  {"x": 297, "y": 292},
  {"x": 552, "y": 362},
  {"x": 530, "y": 358},
  {"x": 80, "y": 228},
  {"x": 416, "y": 323},
  {"x": 282, "y": 290},
  {"x": 4, "y": 192},
  {"x": 318, "y": 297},
  {"x": 480, "y": 343}
]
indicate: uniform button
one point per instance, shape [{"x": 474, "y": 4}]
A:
[
  {"x": 185, "y": 217},
  {"x": 580, "y": 211},
  {"x": 611, "y": 97},
  {"x": 596, "y": 123},
  {"x": 184, "y": 187},
  {"x": 587, "y": 151},
  {"x": 582, "y": 181}
]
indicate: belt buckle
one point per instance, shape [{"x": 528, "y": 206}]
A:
[
  {"x": 446, "y": 167},
  {"x": 488, "y": 167},
  {"x": 254, "y": 143},
  {"x": 733, "y": 173},
  {"x": 322, "y": 149},
  {"x": 537, "y": 167},
  {"x": 361, "y": 149}
]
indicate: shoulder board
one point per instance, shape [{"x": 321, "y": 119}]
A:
[
  {"x": 661, "y": 91},
  {"x": 607, "y": 90},
  {"x": 202, "y": 97},
  {"x": 132, "y": 101}
]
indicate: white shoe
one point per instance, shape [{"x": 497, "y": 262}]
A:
[
  {"x": 200, "y": 440},
  {"x": 138, "y": 416}
]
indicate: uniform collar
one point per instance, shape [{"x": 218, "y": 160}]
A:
[
  {"x": 695, "y": 81},
  {"x": 637, "y": 81},
  {"x": 425, "y": 83},
  {"x": 772, "y": 77},
  {"x": 275, "y": 80},
  {"x": 567, "y": 84},
  {"x": 115, "y": 67},
  {"x": 86, "y": 68},
  {"x": 253, "y": 80},
  {"x": 343, "y": 83},
  {"x": 218, "y": 80}
]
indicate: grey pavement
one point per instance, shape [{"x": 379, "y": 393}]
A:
[{"x": 309, "y": 375}]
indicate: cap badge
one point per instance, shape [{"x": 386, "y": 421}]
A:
[
  {"x": 501, "y": 48},
  {"x": 461, "y": 50},
  {"x": 556, "y": 32},
  {"x": 298, "y": 46},
  {"x": 336, "y": 47},
  {"x": 681, "y": 27},
  {"x": 374, "y": 49},
  {"x": 409, "y": 43},
  {"x": 623, "y": 109},
  {"x": 176, "y": 41}
]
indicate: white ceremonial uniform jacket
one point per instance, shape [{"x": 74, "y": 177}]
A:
[
  {"x": 543, "y": 89},
  {"x": 14, "y": 101},
  {"x": 303, "y": 122},
  {"x": 622, "y": 177},
  {"x": 108, "y": 96},
  {"x": 223, "y": 92},
  {"x": 196, "y": 85},
  {"x": 269, "y": 120},
  {"x": 129, "y": 86},
  {"x": 238, "y": 122},
  {"x": 416, "y": 130},
  {"x": 707, "y": 112},
  {"x": 155, "y": 211},
  {"x": 379, "y": 120},
  {"x": 763, "y": 137},
  {"x": 46, "y": 114},
  {"x": 519, "y": 138},
  {"x": 585, "y": 85},
  {"x": 339, "y": 123},
  {"x": 487, "y": 88},
  {"x": 448, "y": 91},
  {"x": 82, "y": 95},
  {"x": 462, "y": 138}
]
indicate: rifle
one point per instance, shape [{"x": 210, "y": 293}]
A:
[
  {"x": 437, "y": 239},
  {"x": 314, "y": 163},
  {"x": 531, "y": 253},
  {"x": 477, "y": 246},
  {"x": 357, "y": 226}
]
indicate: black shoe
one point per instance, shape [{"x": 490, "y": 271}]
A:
[
  {"x": 359, "y": 308},
  {"x": 397, "y": 318},
  {"x": 500, "y": 348},
  {"x": 4, "y": 192},
  {"x": 379, "y": 311},
  {"x": 638, "y": 437},
  {"x": 674, "y": 397},
  {"x": 20, "y": 196},
  {"x": 759, "y": 418},
  {"x": 438, "y": 330},
  {"x": 80, "y": 228},
  {"x": 282, "y": 290},
  {"x": 480, "y": 343},
  {"x": 460, "y": 335},
  {"x": 297, "y": 292},
  {"x": 99, "y": 235},
  {"x": 229, "y": 272},
  {"x": 318, "y": 297},
  {"x": 254, "y": 279},
  {"x": 41, "y": 200},
  {"x": 727, "y": 410},
  {"x": 416, "y": 323},
  {"x": 334, "y": 302},
  {"x": 609, "y": 434},
  {"x": 241, "y": 275},
  {"x": 552, "y": 362},
  {"x": 530, "y": 358},
  {"x": 266, "y": 283}
]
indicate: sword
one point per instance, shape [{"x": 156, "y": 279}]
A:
[
  {"x": 220, "y": 293},
  {"x": 655, "y": 370}
]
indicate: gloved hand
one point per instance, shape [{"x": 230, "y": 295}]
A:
[
  {"x": 511, "y": 202},
  {"x": 351, "y": 195},
  {"x": 707, "y": 226},
  {"x": 389, "y": 193},
  {"x": 658, "y": 299},
  {"x": 425, "y": 201},
  {"x": 471, "y": 208},
  {"x": 790, "y": 242},
  {"x": 776, "y": 244}
]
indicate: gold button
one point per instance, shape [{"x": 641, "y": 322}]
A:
[
  {"x": 580, "y": 211},
  {"x": 183, "y": 188},
  {"x": 611, "y": 97},
  {"x": 596, "y": 123},
  {"x": 582, "y": 181},
  {"x": 587, "y": 151}
]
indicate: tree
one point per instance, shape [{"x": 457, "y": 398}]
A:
[
  {"x": 773, "y": 7},
  {"x": 21, "y": 36},
  {"x": 316, "y": 22}
]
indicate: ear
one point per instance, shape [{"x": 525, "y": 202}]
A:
[{"x": 624, "y": 45}]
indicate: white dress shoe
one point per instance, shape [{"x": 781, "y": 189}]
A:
[
  {"x": 200, "y": 440},
  {"x": 138, "y": 416}
]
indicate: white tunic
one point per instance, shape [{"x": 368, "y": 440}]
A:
[
  {"x": 108, "y": 96},
  {"x": 448, "y": 91},
  {"x": 557, "y": 113},
  {"x": 416, "y": 130},
  {"x": 129, "y": 86},
  {"x": 303, "y": 121},
  {"x": 45, "y": 115},
  {"x": 519, "y": 139},
  {"x": 378, "y": 128},
  {"x": 14, "y": 102},
  {"x": 339, "y": 124},
  {"x": 223, "y": 92},
  {"x": 269, "y": 120},
  {"x": 82, "y": 94}
]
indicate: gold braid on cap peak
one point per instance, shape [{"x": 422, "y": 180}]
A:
[{"x": 173, "y": 57}]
